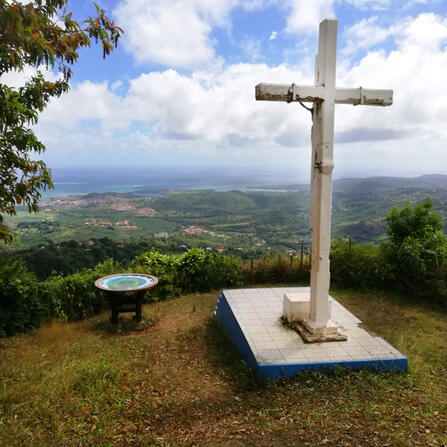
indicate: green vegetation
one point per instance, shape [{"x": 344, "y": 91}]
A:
[
  {"x": 180, "y": 382},
  {"x": 70, "y": 257},
  {"x": 25, "y": 302},
  {"x": 417, "y": 246},
  {"x": 413, "y": 260},
  {"x": 35, "y": 34},
  {"x": 194, "y": 271}
]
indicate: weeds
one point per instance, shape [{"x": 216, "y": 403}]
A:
[{"x": 125, "y": 325}]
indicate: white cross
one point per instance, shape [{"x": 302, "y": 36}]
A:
[{"x": 324, "y": 95}]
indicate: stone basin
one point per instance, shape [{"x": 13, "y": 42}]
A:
[{"x": 126, "y": 282}]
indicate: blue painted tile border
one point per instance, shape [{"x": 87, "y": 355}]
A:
[
  {"x": 229, "y": 323},
  {"x": 225, "y": 316}
]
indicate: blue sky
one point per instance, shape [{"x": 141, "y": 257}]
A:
[{"x": 180, "y": 88}]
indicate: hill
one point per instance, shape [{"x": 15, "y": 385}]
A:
[{"x": 272, "y": 216}]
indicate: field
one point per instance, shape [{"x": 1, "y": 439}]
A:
[{"x": 177, "y": 381}]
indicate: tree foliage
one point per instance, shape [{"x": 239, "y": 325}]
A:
[
  {"x": 417, "y": 245},
  {"x": 38, "y": 34}
]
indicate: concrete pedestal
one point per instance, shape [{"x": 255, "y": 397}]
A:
[{"x": 296, "y": 309}]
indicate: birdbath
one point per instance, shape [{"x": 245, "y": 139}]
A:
[{"x": 125, "y": 292}]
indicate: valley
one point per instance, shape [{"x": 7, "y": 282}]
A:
[{"x": 245, "y": 222}]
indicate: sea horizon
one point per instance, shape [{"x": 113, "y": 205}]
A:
[
  {"x": 85, "y": 180},
  {"x": 73, "y": 181}
]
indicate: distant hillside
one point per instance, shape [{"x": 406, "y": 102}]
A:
[
  {"x": 377, "y": 184},
  {"x": 251, "y": 219},
  {"x": 360, "y": 205}
]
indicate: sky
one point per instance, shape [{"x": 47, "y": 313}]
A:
[{"x": 180, "y": 88}]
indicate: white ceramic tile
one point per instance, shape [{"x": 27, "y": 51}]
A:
[
  {"x": 269, "y": 356},
  {"x": 292, "y": 356},
  {"x": 252, "y": 330},
  {"x": 334, "y": 350},
  {"x": 357, "y": 351},
  {"x": 286, "y": 344},
  {"x": 317, "y": 352},
  {"x": 261, "y": 337},
  {"x": 265, "y": 344}
]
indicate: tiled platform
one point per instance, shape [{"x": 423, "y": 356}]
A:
[{"x": 251, "y": 318}]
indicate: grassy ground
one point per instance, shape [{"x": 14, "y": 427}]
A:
[{"x": 177, "y": 381}]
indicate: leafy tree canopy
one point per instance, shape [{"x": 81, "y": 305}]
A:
[
  {"x": 417, "y": 245},
  {"x": 38, "y": 34}
]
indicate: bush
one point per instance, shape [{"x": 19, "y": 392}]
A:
[
  {"x": 75, "y": 297},
  {"x": 359, "y": 265},
  {"x": 201, "y": 271},
  {"x": 417, "y": 246},
  {"x": 196, "y": 270},
  {"x": 161, "y": 266},
  {"x": 276, "y": 268},
  {"x": 20, "y": 307}
]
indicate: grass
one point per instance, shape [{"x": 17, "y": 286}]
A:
[{"x": 177, "y": 381}]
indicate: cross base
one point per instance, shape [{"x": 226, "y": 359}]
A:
[
  {"x": 316, "y": 332},
  {"x": 296, "y": 309},
  {"x": 311, "y": 333}
]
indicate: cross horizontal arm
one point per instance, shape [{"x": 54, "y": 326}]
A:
[{"x": 355, "y": 96}]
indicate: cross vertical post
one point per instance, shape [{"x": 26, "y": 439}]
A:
[{"x": 321, "y": 174}]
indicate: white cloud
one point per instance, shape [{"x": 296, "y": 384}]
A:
[
  {"x": 274, "y": 35},
  {"x": 370, "y": 4},
  {"x": 305, "y": 15},
  {"x": 424, "y": 34},
  {"x": 364, "y": 35},
  {"x": 87, "y": 101},
  {"x": 116, "y": 85},
  {"x": 252, "y": 49},
  {"x": 220, "y": 107},
  {"x": 426, "y": 31},
  {"x": 174, "y": 33},
  {"x": 18, "y": 78},
  {"x": 416, "y": 71},
  {"x": 215, "y": 112}
]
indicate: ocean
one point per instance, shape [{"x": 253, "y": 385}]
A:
[{"x": 87, "y": 180}]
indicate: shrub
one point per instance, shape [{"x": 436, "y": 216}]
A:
[
  {"x": 417, "y": 247},
  {"x": 25, "y": 302},
  {"x": 276, "y": 269},
  {"x": 20, "y": 307},
  {"x": 161, "y": 266},
  {"x": 75, "y": 297},
  {"x": 358, "y": 265},
  {"x": 201, "y": 271},
  {"x": 196, "y": 270}
]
